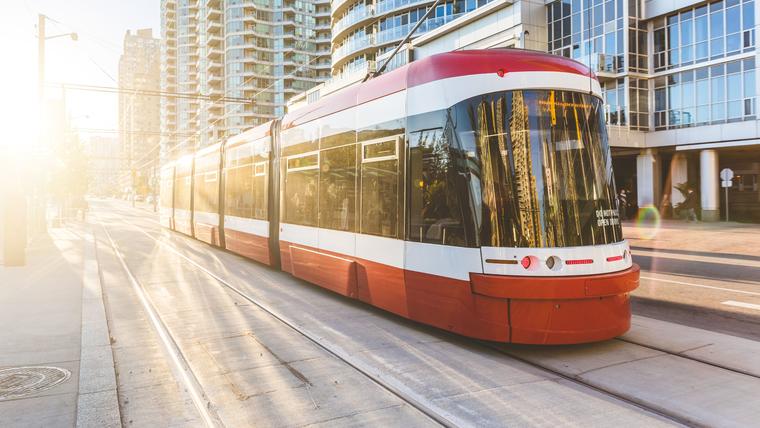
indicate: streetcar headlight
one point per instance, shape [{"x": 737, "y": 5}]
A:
[{"x": 554, "y": 263}]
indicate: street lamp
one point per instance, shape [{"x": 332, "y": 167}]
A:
[{"x": 39, "y": 207}]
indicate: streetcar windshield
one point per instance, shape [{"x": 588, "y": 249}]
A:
[
  {"x": 544, "y": 171},
  {"x": 513, "y": 169}
]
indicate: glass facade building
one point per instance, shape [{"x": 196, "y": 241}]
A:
[{"x": 680, "y": 90}]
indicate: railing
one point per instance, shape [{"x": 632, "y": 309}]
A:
[
  {"x": 399, "y": 32},
  {"x": 352, "y": 45},
  {"x": 388, "y": 5},
  {"x": 351, "y": 18}
]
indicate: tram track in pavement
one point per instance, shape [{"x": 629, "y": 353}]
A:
[
  {"x": 436, "y": 414},
  {"x": 419, "y": 402}
]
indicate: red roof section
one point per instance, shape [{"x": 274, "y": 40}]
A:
[{"x": 432, "y": 68}]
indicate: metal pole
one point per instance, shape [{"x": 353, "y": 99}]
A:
[
  {"x": 726, "y": 204},
  {"x": 38, "y": 206},
  {"x": 40, "y": 60}
]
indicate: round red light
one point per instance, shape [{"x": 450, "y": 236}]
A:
[
  {"x": 500, "y": 72},
  {"x": 525, "y": 262}
]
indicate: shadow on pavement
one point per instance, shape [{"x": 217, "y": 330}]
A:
[
  {"x": 713, "y": 319},
  {"x": 705, "y": 270}
]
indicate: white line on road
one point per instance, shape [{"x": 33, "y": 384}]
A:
[
  {"x": 749, "y": 293},
  {"x": 741, "y": 304}
]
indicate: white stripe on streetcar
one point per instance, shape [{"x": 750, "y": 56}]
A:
[{"x": 741, "y": 304}]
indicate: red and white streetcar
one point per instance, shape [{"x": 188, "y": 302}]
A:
[{"x": 471, "y": 190}]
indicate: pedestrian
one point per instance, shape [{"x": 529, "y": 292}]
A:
[
  {"x": 690, "y": 205},
  {"x": 622, "y": 204}
]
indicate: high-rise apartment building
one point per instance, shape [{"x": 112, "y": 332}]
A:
[
  {"x": 364, "y": 30},
  {"x": 265, "y": 51},
  {"x": 139, "y": 113}
]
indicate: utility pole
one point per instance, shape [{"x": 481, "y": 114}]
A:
[{"x": 38, "y": 201}]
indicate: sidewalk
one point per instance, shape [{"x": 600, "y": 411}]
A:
[
  {"x": 52, "y": 354},
  {"x": 707, "y": 238}
]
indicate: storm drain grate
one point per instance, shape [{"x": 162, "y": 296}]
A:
[{"x": 17, "y": 382}]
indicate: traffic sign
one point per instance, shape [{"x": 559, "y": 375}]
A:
[
  {"x": 725, "y": 183},
  {"x": 726, "y": 174}
]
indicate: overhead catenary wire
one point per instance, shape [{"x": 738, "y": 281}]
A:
[
  {"x": 148, "y": 92},
  {"x": 196, "y": 133}
]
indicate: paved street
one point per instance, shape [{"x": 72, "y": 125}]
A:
[
  {"x": 200, "y": 337},
  {"x": 701, "y": 274}
]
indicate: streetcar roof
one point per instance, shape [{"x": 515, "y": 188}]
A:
[{"x": 432, "y": 68}]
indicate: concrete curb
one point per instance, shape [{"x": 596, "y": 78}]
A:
[{"x": 97, "y": 404}]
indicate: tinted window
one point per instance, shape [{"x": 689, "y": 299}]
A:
[
  {"x": 301, "y": 187},
  {"x": 337, "y": 188},
  {"x": 238, "y": 197},
  {"x": 380, "y": 187},
  {"x": 206, "y": 190},
  {"x": 542, "y": 167},
  {"x": 182, "y": 186},
  {"x": 437, "y": 192}
]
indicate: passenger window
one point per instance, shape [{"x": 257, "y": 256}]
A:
[
  {"x": 301, "y": 179},
  {"x": 337, "y": 191},
  {"x": 260, "y": 190},
  {"x": 238, "y": 198},
  {"x": 379, "y": 187},
  {"x": 435, "y": 208}
]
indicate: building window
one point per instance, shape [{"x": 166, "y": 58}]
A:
[
  {"x": 707, "y": 95},
  {"x": 695, "y": 35}
]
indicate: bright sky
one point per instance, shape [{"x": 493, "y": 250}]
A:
[{"x": 100, "y": 24}]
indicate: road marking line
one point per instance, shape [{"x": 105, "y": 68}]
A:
[
  {"x": 749, "y": 293},
  {"x": 741, "y": 304}
]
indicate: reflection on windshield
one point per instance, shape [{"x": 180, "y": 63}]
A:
[{"x": 545, "y": 168}]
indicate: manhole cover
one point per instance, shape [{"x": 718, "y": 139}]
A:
[{"x": 17, "y": 382}]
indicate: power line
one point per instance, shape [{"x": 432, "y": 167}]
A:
[
  {"x": 118, "y": 131},
  {"x": 149, "y": 92}
]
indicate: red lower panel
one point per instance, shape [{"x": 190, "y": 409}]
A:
[
  {"x": 247, "y": 245},
  {"x": 206, "y": 233},
  {"x": 570, "y": 321},
  {"x": 450, "y": 304},
  {"x": 332, "y": 272},
  {"x": 382, "y": 286}
]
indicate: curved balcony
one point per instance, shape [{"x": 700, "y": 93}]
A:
[
  {"x": 385, "y": 6},
  {"x": 352, "y": 47},
  {"x": 337, "y": 7},
  {"x": 351, "y": 19},
  {"x": 398, "y": 33}
]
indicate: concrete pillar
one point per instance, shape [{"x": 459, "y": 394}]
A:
[
  {"x": 679, "y": 173},
  {"x": 709, "y": 187},
  {"x": 647, "y": 178}
]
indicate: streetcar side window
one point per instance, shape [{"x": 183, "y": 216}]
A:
[
  {"x": 435, "y": 183},
  {"x": 238, "y": 197},
  {"x": 206, "y": 190},
  {"x": 182, "y": 186},
  {"x": 379, "y": 187},
  {"x": 337, "y": 188},
  {"x": 301, "y": 189}
]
